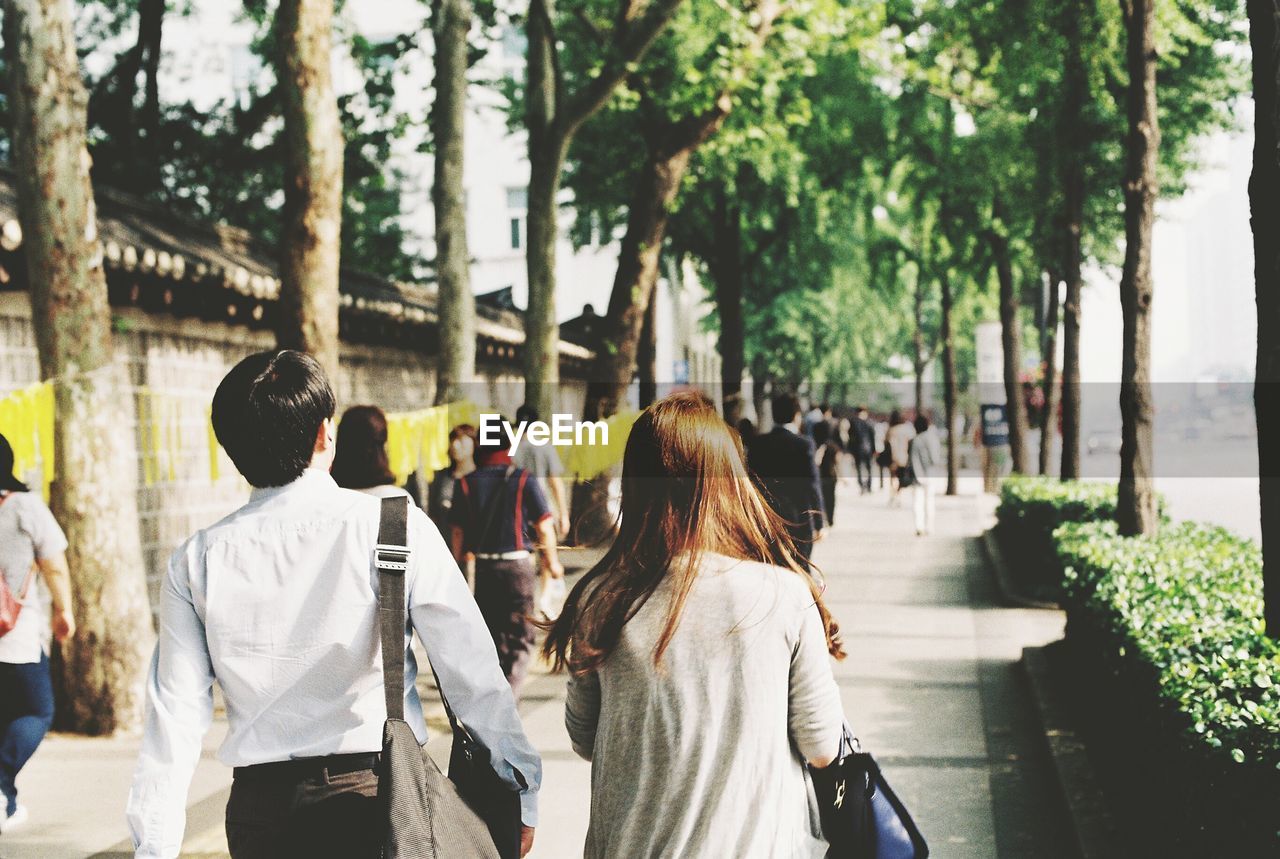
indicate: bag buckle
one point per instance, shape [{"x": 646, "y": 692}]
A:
[{"x": 388, "y": 556}]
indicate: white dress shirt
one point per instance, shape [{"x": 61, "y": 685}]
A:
[{"x": 278, "y": 603}]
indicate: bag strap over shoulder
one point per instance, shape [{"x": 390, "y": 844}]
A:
[{"x": 391, "y": 557}]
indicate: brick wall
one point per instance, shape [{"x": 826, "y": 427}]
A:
[{"x": 174, "y": 367}]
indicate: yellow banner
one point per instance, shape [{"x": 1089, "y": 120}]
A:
[{"x": 26, "y": 420}]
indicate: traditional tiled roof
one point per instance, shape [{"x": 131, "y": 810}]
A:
[{"x": 142, "y": 239}]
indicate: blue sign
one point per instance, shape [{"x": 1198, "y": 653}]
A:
[
  {"x": 680, "y": 372},
  {"x": 995, "y": 425}
]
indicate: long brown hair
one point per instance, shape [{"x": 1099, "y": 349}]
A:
[{"x": 685, "y": 491}]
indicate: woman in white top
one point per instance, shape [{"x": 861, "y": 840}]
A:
[
  {"x": 30, "y": 540},
  {"x": 898, "y": 441},
  {"x": 700, "y": 656},
  {"x": 360, "y": 462}
]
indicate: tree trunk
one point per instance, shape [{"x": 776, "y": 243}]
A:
[
  {"x": 1075, "y": 92},
  {"x": 647, "y": 353},
  {"x": 949, "y": 382},
  {"x": 917, "y": 341},
  {"x": 1011, "y": 341},
  {"x": 760, "y": 393},
  {"x": 647, "y": 219},
  {"x": 1264, "y": 206},
  {"x": 1049, "y": 420},
  {"x": 1136, "y": 502},
  {"x": 456, "y": 363},
  {"x": 728, "y": 273},
  {"x": 94, "y": 493},
  {"x": 548, "y": 143},
  {"x": 313, "y": 154}
]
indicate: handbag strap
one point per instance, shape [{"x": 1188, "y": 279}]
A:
[{"x": 391, "y": 557}]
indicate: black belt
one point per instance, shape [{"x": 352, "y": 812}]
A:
[{"x": 302, "y": 769}]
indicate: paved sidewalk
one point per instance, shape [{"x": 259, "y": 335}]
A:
[{"x": 930, "y": 685}]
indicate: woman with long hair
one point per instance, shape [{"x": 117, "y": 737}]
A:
[
  {"x": 360, "y": 461},
  {"x": 30, "y": 542},
  {"x": 699, "y": 653}
]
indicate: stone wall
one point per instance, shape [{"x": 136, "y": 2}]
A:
[{"x": 175, "y": 365}]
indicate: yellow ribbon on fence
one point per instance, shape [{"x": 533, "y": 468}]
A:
[
  {"x": 587, "y": 461},
  {"x": 26, "y": 420}
]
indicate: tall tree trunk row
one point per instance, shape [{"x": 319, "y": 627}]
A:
[
  {"x": 727, "y": 271},
  {"x": 1264, "y": 209},
  {"x": 949, "y": 381},
  {"x": 1136, "y": 511},
  {"x": 456, "y": 363},
  {"x": 94, "y": 496},
  {"x": 1011, "y": 340},
  {"x": 918, "y": 356},
  {"x": 1049, "y": 419},
  {"x": 1075, "y": 83},
  {"x": 313, "y": 155}
]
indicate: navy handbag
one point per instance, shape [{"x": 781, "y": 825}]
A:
[{"x": 862, "y": 818}]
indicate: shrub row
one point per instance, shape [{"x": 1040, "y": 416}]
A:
[
  {"x": 1030, "y": 509},
  {"x": 1184, "y": 608}
]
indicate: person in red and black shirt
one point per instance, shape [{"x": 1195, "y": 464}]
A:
[{"x": 496, "y": 509}]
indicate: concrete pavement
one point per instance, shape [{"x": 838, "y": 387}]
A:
[{"x": 930, "y": 686}]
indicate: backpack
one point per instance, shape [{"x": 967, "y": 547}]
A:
[{"x": 10, "y": 605}]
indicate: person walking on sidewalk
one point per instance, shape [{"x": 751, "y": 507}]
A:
[
  {"x": 786, "y": 466},
  {"x": 862, "y": 444},
  {"x": 924, "y": 456},
  {"x": 701, "y": 678},
  {"x": 444, "y": 483},
  {"x": 360, "y": 460},
  {"x": 491, "y": 508},
  {"x": 542, "y": 461},
  {"x": 30, "y": 542},
  {"x": 828, "y": 458},
  {"x": 897, "y": 441},
  {"x": 278, "y": 603}
]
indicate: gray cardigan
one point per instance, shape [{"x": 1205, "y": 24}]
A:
[{"x": 702, "y": 756}]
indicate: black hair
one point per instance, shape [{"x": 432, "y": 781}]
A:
[
  {"x": 267, "y": 412},
  {"x": 785, "y": 408},
  {"x": 921, "y": 423},
  {"x": 821, "y": 433},
  {"x": 496, "y": 428},
  {"x": 526, "y": 414},
  {"x": 9, "y": 481},
  {"x": 360, "y": 460}
]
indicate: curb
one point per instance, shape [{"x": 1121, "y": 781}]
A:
[
  {"x": 1004, "y": 579},
  {"x": 1095, "y": 830}
]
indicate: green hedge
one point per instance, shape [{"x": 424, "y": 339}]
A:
[
  {"x": 1030, "y": 509},
  {"x": 1183, "y": 609}
]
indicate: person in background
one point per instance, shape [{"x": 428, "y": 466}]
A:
[
  {"x": 360, "y": 462},
  {"x": 862, "y": 444},
  {"x": 30, "y": 542},
  {"x": 828, "y": 454},
  {"x": 746, "y": 430},
  {"x": 897, "y": 441},
  {"x": 543, "y": 462},
  {"x": 462, "y": 461},
  {"x": 278, "y": 603},
  {"x": 925, "y": 456},
  {"x": 785, "y": 464},
  {"x": 815, "y": 415},
  {"x": 699, "y": 652},
  {"x": 492, "y": 507}
]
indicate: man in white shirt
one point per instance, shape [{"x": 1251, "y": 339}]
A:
[{"x": 278, "y": 603}]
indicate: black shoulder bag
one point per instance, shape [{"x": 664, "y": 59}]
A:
[
  {"x": 862, "y": 818},
  {"x": 473, "y": 814}
]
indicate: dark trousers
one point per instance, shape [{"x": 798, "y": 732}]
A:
[
  {"x": 504, "y": 592},
  {"x": 26, "y": 712},
  {"x": 334, "y": 816},
  {"x": 862, "y": 462},
  {"x": 829, "y": 498}
]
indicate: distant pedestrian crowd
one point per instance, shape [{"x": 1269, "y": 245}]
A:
[{"x": 702, "y": 707}]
